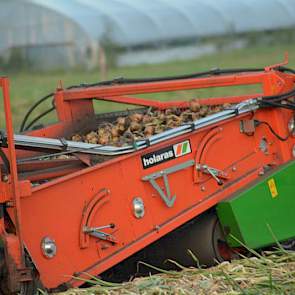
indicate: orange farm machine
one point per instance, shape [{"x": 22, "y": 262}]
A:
[{"x": 72, "y": 209}]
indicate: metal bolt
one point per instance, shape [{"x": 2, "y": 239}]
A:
[
  {"x": 291, "y": 126},
  {"x": 5, "y": 178},
  {"x": 234, "y": 168},
  {"x": 76, "y": 274},
  {"x": 203, "y": 188},
  {"x": 9, "y": 204},
  {"x": 263, "y": 145},
  {"x": 261, "y": 173},
  {"x": 157, "y": 227},
  {"x": 104, "y": 247},
  {"x": 48, "y": 247},
  {"x": 138, "y": 207}
]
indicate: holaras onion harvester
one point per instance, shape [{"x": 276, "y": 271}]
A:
[{"x": 208, "y": 184}]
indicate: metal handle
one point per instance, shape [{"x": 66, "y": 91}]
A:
[
  {"x": 212, "y": 171},
  {"x": 99, "y": 234}
]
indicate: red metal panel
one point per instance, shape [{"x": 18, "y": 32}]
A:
[
  {"x": 54, "y": 201},
  {"x": 153, "y": 87}
]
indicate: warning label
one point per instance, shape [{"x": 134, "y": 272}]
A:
[{"x": 272, "y": 187}]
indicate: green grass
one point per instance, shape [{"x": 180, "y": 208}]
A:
[{"x": 27, "y": 87}]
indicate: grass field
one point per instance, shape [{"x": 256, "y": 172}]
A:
[{"x": 27, "y": 87}]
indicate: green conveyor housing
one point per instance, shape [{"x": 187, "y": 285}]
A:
[{"x": 263, "y": 213}]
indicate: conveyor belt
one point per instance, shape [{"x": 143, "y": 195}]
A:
[{"x": 33, "y": 142}]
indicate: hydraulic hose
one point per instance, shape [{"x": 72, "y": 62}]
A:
[{"x": 122, "y": 80}]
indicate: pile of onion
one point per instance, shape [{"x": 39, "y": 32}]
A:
[{"x": 136, "y": 126}]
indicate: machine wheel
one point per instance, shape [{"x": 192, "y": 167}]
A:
[
  {"x": 203, "y": 236},
  {"x": 209, "y": 243},
  {"x": 27, "y": 288},
  {"x": 289, "y": 245},
  {"x": 2, "y": 271}
]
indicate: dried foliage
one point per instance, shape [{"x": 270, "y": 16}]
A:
[{"x": 270, "y": 273}]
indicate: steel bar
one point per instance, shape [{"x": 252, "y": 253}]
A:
[{"x": 156, "y": 87}]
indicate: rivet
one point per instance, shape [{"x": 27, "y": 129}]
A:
[
  {"x": 5, "y": 178},
  {"x": 203, "y": 188},
  {"x": 104, "y": 247},
  {"x": 10, "y": 204},
  {"x": 157, "y": 227},
  {"x": 291, "y": 126}
]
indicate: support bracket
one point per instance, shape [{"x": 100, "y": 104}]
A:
[{"x": 166, "y": 194}]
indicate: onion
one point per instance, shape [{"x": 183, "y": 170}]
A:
[
  {"x": 139, "y": 126},
  {"x": 134, "y": 126},
  {"x": 194, "y": 105}
]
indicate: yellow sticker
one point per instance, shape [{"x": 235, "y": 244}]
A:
[{"x": 272, "y": 188}]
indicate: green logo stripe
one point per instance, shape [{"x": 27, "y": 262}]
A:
[{"x": 184, "y": 147}]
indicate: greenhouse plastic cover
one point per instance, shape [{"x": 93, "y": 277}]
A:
[{"x": 137, "y": 22}]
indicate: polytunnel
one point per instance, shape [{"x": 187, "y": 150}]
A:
[
  {"x": 252, "y": 15},
  {"x": 66, "y": 33}
]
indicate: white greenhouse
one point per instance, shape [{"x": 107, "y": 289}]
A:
[{"x": 68, "y": 33}]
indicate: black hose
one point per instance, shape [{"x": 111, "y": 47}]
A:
[
  {"x": 285, "y": 95},
  {"x": 39, "y": 117},
  {"x": 122, "y": 80},
  {"x": 285, "y": 69},
  {"x": 266, "y": 103},
  {"x": 257, "y": 123},
  {"x": 31, "y": 109},
  {"x": 5, "y": 162}
]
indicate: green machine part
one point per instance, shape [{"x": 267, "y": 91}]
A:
[{"x": 262, "y": 214}]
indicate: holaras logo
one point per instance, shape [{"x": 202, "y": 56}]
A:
[
  {"x": 181, "y": 149},
  {"x": 166, "y": 154}
]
